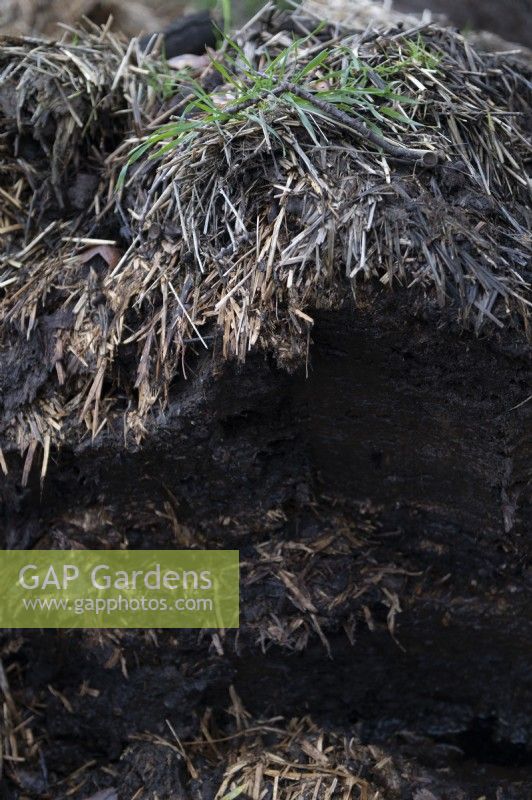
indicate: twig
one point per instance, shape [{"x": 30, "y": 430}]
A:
[{"x": 427, "y": 158}]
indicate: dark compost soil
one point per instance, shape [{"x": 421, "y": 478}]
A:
[
  {"x": 379, "y": 494},
  {"x": 406, "y": 474}
]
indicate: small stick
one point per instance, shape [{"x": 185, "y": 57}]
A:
[{"x": 427, "y": 158}]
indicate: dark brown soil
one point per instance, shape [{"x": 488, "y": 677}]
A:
[
  {"x": 399, "y": 466},
  {"x": 403, "y": 434}
]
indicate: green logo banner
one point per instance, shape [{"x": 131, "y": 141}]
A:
[{"x": 119, "y": 589}]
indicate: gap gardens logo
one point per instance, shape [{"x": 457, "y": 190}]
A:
[{"x": 119, "y": 589}]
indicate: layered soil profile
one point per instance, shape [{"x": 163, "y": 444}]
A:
[
  {"x": 382, "y": 521},
  {"x": 279, "y": 305}
]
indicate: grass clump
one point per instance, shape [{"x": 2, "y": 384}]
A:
[
  {"x": 297, "y": 167},
  {"x": 334, "y": 79}
]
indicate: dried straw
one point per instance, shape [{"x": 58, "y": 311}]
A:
[{"x": 274, "y": 201}]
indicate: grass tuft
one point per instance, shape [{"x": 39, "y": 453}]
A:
[{"x": 335, "y": 76}]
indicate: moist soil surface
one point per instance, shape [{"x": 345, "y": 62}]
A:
[
  {"x": 388, "y": 477},
  {"x": 394, "y": 459}
]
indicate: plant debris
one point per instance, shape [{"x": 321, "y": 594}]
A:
[{"x": 303, "y": 162}]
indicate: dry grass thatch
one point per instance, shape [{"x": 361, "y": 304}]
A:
[
  {"x": 298, "y": 590},
  {"x": 295, "y": 760},
  {"x": 244, "y": 193},
  {"x": 287, "y": 759},
  {"x": 17, "y": 742}
]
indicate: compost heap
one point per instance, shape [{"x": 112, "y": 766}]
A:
[
  {"x": 154, "y": 211},
  {"x": 147, "y": 209}
]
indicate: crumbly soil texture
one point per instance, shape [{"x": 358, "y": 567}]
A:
[
  {"x": 355, "y": 420},
  {"x": 385, "y": 610}
]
